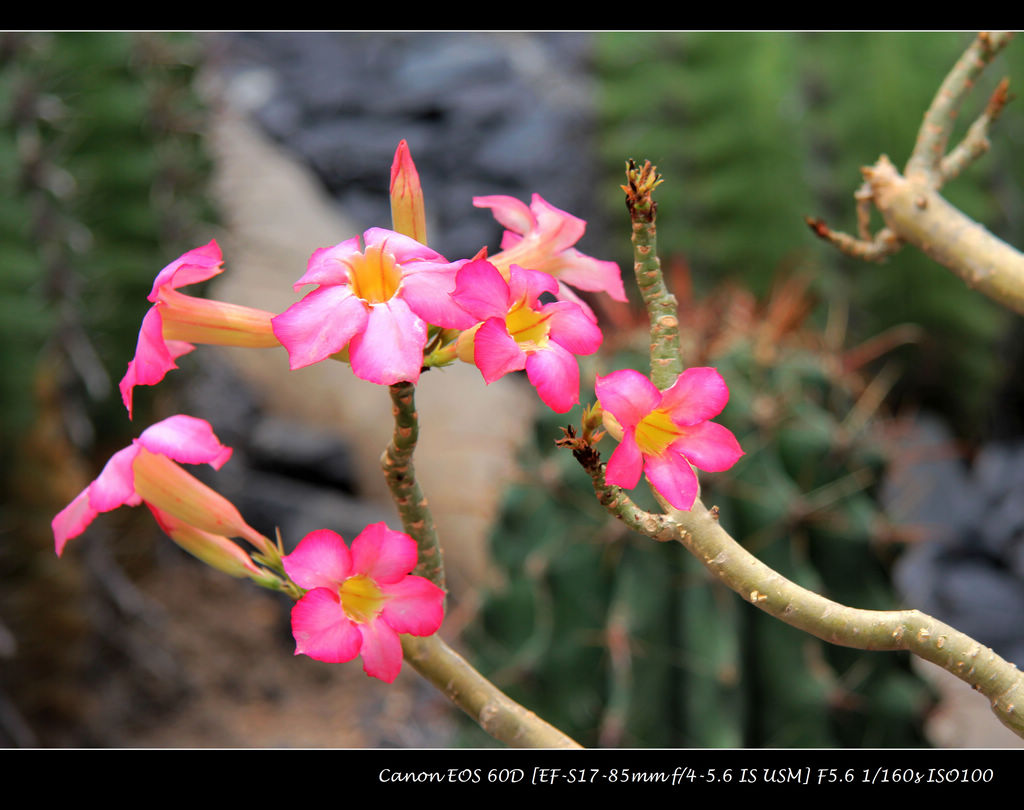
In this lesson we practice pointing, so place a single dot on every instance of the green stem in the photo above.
(496, 712)
(400, 474)
(924, 636)
(700, 532)
(666, 362)
(924, 163)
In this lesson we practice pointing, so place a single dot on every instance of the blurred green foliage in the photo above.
(753, 131)
(102, 175)
(103, 172)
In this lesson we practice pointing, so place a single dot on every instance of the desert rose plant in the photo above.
(392, 309)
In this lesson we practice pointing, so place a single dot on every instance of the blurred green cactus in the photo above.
(622, 641)
(103, 173)
(757, 130)
(103, 176)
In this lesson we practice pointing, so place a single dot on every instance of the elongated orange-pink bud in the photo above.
(408, 216)
(213, 549)
(163, 484)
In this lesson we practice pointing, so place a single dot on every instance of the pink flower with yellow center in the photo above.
(145, 471)
(176, 321)
(516, 331)
(542, 237)
(359, 600)
(661, 433)
(377, 302)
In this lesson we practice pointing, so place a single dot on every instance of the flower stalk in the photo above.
(914, 211)
(662, 308)
(495, 712)
(400, 474)
(700, 532)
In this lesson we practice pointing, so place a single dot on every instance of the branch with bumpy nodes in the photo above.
(417, 519)
(660, 303)
(702, 535)
(492, 709)
(924, 636)
(496, 712)
(910, 203)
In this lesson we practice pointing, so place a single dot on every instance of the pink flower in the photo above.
(360, 600)
(145, 472)
(661, 433)
(176, 321)
(542, 237)
(516, 331)
(378, 302)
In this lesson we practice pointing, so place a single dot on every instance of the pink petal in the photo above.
(154, 356)
(383, 554)
(382, 650)
(626, 463)
(186, 439)
(709, 446)
(199, 264)
(559, 230)
(697, 395)
(322, 630)
(555, 374)
(390, 349)
(529, 285)
(319, 325)
(115, 485)
(627, 395)
(565, 293)
(405, 249)
(329, 265)
(321, 560)
(482, 291)
(414, 605)
(511, 213)
(509, 239)
(428, 289)
(571, 328)
(72, 520)
(587, 273)
(495, 353)
(673, 478)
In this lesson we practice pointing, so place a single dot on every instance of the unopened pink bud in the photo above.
(407, 212)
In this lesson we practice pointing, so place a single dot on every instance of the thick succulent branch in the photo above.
(928, 638)
(700, 532)
(923, 218)
(661, 305)
(496, 712)
(938, 121)
(413, 508)
(911, 206)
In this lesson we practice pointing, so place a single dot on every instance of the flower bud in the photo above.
(407, 212)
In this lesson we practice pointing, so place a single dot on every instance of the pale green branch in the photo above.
(492, 709)
(910, 203)
(928, 638)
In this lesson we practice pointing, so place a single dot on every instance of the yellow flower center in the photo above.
(656, 432)
(528, 327)
(361, 599)
(374, 275)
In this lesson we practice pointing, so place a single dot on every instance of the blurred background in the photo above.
(879, 405)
